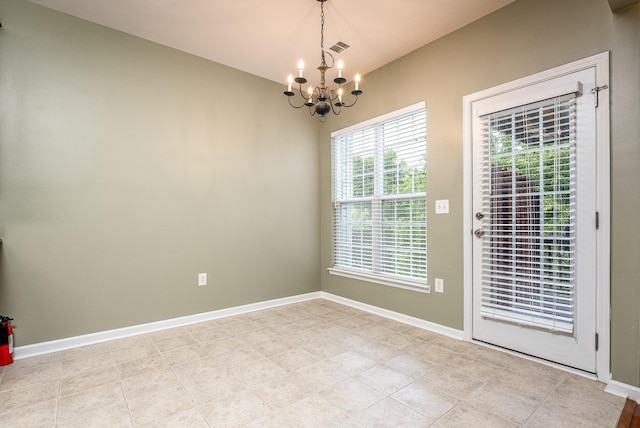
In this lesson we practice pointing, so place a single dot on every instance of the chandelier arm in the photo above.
(293, 105)
(352, 104)
(306, 99)
(333, 109)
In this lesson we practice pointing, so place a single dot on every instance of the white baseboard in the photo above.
(27, 351)
(623, 390)
(406, 319)
(33, 350)
(613, 387)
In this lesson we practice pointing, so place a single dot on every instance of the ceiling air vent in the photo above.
(339, 47)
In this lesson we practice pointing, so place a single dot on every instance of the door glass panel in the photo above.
(528, 264)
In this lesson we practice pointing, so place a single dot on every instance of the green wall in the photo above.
(625, 203)
(521, 39)
(126, 168)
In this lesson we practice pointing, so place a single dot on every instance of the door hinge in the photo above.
(597, 220)
(597, 341)
(596, 92)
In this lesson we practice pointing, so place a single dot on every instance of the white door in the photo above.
(534, 219)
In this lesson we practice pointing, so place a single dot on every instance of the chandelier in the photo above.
(322, 99)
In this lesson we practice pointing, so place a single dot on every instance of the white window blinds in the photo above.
(528, 268)
(379, 197)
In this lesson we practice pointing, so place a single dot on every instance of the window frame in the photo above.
(388, 279)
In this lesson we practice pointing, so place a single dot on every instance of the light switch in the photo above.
(442, 206)
(202, 279)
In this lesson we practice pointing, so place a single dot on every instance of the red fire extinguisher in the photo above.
(6, 341)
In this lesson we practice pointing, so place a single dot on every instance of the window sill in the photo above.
(383, 280)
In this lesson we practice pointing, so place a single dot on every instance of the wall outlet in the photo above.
(202, 279)
(442, 206)
(439, 283)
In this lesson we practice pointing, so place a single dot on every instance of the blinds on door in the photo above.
(528, 261)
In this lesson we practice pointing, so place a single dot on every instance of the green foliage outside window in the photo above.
(546, 168)
(404, 232)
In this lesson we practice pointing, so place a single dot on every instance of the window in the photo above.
(530, 166)
(379, 200)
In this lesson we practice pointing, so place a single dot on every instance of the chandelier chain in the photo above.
(322, 31)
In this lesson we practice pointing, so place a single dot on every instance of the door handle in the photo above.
(479, 215)
(479, 233)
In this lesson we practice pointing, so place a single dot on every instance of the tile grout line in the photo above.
(181, 385)
(544, 400)
(56, 416)
(122, 391)
(463, 401)
(126, 402)
(180, 382)
(484, 382)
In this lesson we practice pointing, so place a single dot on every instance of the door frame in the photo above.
(603, 198)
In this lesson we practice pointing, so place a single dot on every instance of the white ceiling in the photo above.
(268, 37)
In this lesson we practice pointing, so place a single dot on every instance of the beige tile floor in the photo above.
(310, 364)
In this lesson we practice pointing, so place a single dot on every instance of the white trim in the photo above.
(601, 64)
(623, 390)
(597, 61)
(408, 109)
(467, 212)
(381, 279)
(603, 204)
(527, 97)
(42, 348)
(613, 387)
(35, 349)
(547, 363)
(396, 316)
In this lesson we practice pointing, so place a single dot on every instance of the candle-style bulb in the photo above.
(340, 67)
(300, 68)
(357, 81)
